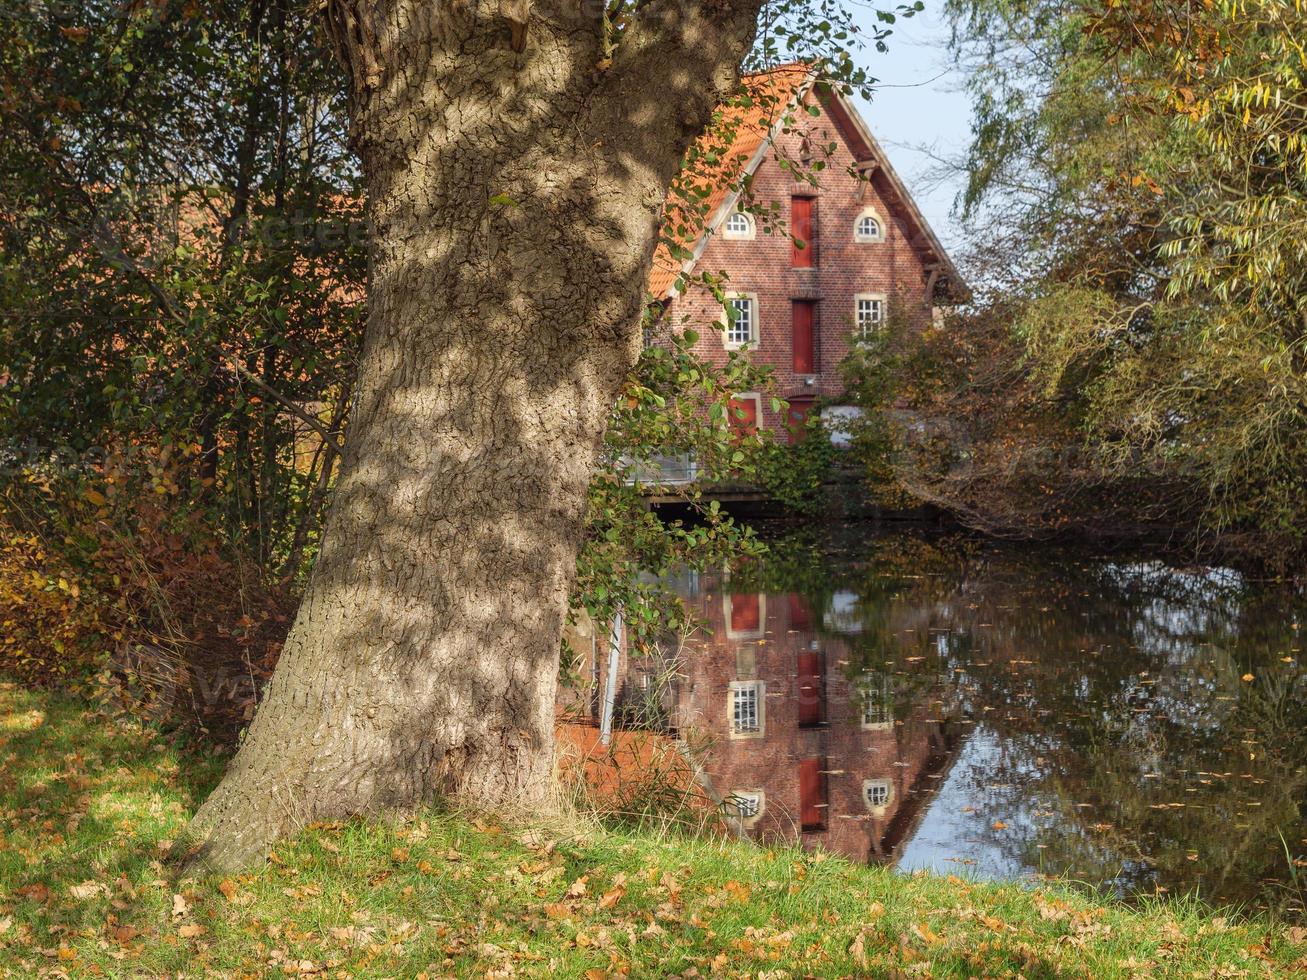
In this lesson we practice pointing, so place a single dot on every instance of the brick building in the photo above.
(864, 245)
(795, 742)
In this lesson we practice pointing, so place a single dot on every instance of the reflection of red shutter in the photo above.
(796, 418)
(801, 318)
(745, 614)
(810, 689)
(800, 616)
(812, 795)
(744, 415)
(801, 229)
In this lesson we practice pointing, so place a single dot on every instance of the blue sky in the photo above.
(919, 103)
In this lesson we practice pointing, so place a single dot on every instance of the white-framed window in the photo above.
(746, 709)
(739, 227)
(868, 227)
(741, 320)
(868, 315)
(747, 805)
(877, 793)
(877, 693)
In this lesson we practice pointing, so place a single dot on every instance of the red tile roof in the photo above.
(719, 159)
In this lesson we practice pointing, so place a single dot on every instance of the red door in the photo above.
(801, 231)
(796, 418)
(810, 689)
(744, 415)
(812, 795)
(746, 614)
(801, 319)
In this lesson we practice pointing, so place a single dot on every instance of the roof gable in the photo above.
(728, 154)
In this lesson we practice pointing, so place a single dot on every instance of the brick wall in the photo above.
(907, 751)
(842, 269)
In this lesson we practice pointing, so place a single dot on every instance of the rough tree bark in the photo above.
(514, 201)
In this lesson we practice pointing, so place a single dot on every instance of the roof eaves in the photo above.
(960, 287)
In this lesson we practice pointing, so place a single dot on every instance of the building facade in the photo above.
(795, 739)
(809, 268)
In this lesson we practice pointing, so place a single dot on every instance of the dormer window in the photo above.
(868, 227)
(739, 227)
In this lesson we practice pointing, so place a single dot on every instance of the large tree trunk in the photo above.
(514, 200)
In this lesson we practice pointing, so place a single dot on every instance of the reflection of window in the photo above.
(739, 226)
(877, 700)
(877, 793)
(747, 804)
(745, 615)
(842, 614)
(745, 707)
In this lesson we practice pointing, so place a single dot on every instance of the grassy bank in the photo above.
(90, 807)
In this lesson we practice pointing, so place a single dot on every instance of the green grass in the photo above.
(89, 806)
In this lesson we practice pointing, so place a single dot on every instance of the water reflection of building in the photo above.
(798, 741)
(1138, 726)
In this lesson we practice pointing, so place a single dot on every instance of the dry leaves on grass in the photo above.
(88, 890)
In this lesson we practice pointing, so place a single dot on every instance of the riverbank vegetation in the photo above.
(1134, 361)
(94, 804)
(183, 277)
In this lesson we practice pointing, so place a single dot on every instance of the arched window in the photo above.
(748, 804)
(868, 227)
(877, 793)
(739, 226)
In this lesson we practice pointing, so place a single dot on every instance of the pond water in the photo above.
(1000, 712)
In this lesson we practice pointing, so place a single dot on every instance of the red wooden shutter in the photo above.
(745, 613)
(801, 317)
(744, 415)
(810, 689)
(812, 795)
(800, 615)
(801, 229)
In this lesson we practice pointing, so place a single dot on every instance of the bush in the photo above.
(52, 629)
(102, 586)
